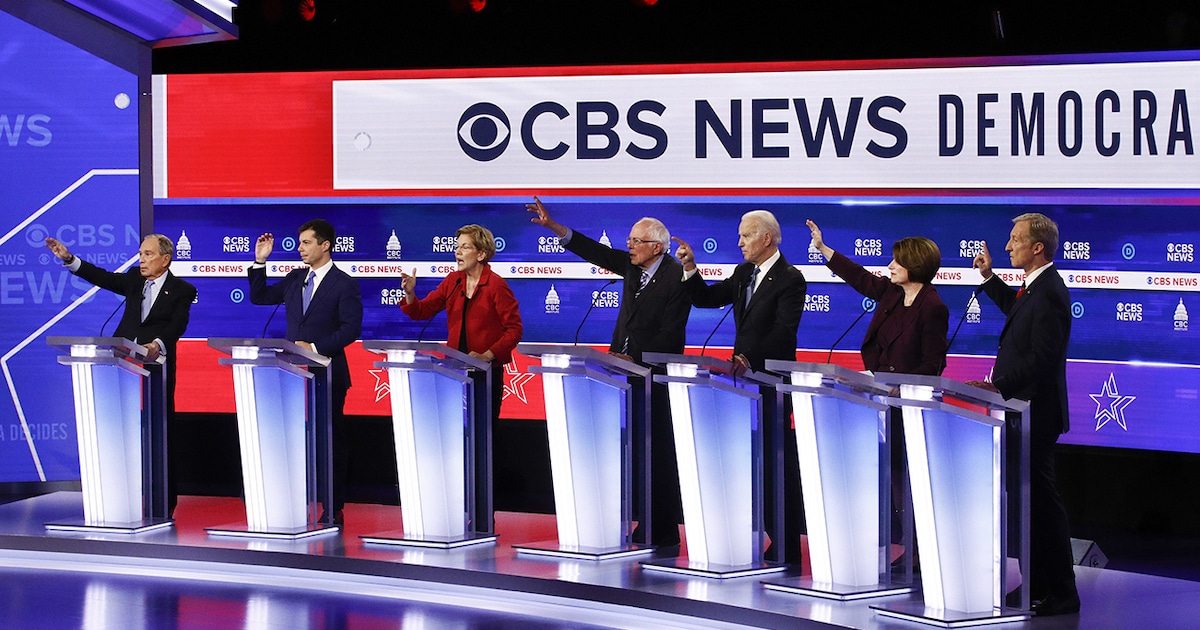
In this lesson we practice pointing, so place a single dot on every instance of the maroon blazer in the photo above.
(908, 340)
(493, 320)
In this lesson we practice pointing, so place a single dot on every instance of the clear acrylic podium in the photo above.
(592, 401)
(441, 423)
(718, 424)
(120, 422)
(955, 440)
(845, 472)
(282, 392)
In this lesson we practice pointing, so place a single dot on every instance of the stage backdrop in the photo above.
(872, 151)
(68, 169)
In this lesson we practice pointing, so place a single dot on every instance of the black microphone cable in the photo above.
(590, 307)
(949, 344)
(110, 316)
(281, 303)
(854, 323)
(457, 282)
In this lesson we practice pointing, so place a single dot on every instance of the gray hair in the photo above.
(165, 246)
(658, 232)
(766, 224)
(1042, 229)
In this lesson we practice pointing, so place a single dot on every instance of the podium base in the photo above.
(397, 538)
(684, 566)
(945, 618)
(110, 527)
(832, 590)
(280, 533)
(553, 549)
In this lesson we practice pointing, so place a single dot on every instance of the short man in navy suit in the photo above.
(1031, 364)
(767, 294)
(157, 306)
(324, 312)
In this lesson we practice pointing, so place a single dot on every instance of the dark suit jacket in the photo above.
(493, 319)
(1031, 362)
(333, 320)
(916, 347)
(168, 318)
(766, 329)
(655, 321)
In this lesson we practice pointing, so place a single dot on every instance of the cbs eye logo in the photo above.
(484, 132)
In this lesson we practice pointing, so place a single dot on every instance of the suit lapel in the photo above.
(329, 281)
(765, 287)
(1025, 298)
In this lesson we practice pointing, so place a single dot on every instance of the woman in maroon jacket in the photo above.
(482, 315)
(907, 334)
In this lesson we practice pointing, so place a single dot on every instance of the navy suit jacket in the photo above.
(654, 321)
(917, 348)
(766, 328)
(333, 320)
(1031, 362)
(168, 318)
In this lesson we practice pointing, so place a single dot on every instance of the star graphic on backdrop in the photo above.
(381, 385)
(516, 382)
(1110, 404)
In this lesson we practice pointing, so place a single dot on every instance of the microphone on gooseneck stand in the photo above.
(110, 316)
(714, 330)
(949, 344)
(285, 299)
(457, 281)
(866, 309)
(590, 307)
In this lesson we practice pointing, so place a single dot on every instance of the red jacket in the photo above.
(493, 320)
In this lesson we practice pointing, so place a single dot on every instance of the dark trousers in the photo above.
(780, 450)
(665, 507)
(1052, 566)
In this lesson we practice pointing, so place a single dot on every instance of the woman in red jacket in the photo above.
(483, 318)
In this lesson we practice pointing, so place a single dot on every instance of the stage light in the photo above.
(308, 10)
(468, 6)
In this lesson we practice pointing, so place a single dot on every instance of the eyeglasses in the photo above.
(637, 241)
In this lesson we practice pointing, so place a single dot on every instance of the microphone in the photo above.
(949, 344)
(589, 311)
(457, 281)
(285, 298)
(110, 316)
(714, 330)
(829, 358)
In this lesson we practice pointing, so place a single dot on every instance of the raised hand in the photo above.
(684, 253)
(983, 262)
(263, 247)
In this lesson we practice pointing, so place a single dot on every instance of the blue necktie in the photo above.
(643, 283)
(750, 287)
(147, 298)
(308, 289)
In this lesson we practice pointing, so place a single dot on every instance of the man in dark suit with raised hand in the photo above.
(1031, 364)
(157, 306)
(324, 312)
(767, 294)
(653, 318)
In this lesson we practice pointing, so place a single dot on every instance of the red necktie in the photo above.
(1021, 291)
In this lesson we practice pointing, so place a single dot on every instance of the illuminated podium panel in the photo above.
(592, 400)
(842, 430)
(284, 418)
(718, 422)
(441, 423)
(956, 445)
(120, 421)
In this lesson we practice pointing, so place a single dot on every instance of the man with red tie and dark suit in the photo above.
(157, 306)
(1031, 364)
(324, 312)
(767, 294)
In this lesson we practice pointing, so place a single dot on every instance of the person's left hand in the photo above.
(622, 356)
(983, 385)
(485, 356)
(741, 365)
(152, 351)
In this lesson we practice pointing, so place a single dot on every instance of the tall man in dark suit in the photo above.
(157, 306)
(324, 312)
(1031, 364)
(767, 294)
(653, 318)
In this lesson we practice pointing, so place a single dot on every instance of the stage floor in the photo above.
(182, 578)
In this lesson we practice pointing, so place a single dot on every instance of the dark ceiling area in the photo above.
(404, 34)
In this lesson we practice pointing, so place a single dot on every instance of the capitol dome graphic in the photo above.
(552, 300)
(1181, 317)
